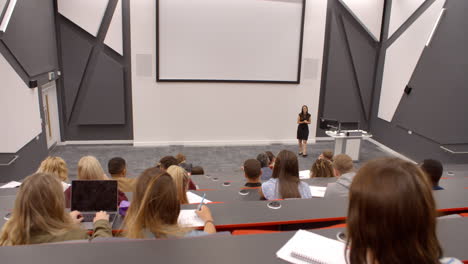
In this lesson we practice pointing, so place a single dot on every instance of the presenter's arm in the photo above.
(299, 120)
(307, 121)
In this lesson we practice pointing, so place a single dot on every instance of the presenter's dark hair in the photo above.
(392, 215)
(434, 169)
(286, 170)
(306, 115)
(116, 165)
(303, 108)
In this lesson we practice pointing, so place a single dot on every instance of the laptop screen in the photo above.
(94, 196)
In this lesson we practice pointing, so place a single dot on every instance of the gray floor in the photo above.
(224, 160)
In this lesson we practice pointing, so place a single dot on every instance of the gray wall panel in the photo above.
(76, 49)
(31, 36)
(436, 107)
(104, 102)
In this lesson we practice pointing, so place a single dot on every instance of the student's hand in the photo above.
(101, 215)
(204, 213)
(76, 217)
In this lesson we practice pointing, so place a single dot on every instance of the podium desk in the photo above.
(348, 142)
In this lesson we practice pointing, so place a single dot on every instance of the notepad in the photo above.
(188, 218)
(12, 184)
(306, 247)
(305, 174)
(194, 198)
(317, 191)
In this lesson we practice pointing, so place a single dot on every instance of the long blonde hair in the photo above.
(39, 207)
(55, 165)
(89, 168)
(158, 209)
(181, 180)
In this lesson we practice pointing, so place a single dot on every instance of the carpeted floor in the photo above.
(222, 160)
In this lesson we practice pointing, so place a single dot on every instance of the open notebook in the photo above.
(188, 218)
(317, 191)
(306, 247)
(305, 174)
(196, 199)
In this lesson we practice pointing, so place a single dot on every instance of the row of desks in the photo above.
(260, 248)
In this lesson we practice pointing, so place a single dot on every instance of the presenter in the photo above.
(303, 121)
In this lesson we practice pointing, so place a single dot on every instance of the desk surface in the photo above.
(260, 248)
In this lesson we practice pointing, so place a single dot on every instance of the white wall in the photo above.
(20, 118)
(220, 113)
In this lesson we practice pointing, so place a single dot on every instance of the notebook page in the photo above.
(12, 184)
(188, 218)
(317, 191)
(313, 247)
(194, 198)
(305, 174)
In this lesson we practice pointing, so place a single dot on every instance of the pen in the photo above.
(201, 203)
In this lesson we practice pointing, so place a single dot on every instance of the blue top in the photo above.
(436, 188)
(271, 191)
(266, 174)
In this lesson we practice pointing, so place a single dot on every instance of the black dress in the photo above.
(303, 129)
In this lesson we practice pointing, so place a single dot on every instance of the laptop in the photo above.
(89, 197)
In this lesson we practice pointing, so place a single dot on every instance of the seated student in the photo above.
(181, 180)
(383, 193)
(285, 182)
(271, 158)
(322, 168)
(433, 169)
(118, 170)
(182, 162)
(89, 168)
(168, 161)
(252, 172)
(155, 216)
(265, 162)
(327, 154)
(343, 168)
(39, 215)
(56, 166)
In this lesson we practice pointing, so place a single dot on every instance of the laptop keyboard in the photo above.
(89, 217)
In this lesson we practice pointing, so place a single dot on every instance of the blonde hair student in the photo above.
(39, 215)
(156, 214)
(89, 168)
(56, 166)
(181, 180)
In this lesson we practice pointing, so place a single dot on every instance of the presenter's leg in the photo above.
(300, 146)
(304, 148)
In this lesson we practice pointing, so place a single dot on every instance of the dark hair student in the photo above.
(392, 215)
(285, 182)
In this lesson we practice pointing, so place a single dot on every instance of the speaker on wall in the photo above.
(408, 89)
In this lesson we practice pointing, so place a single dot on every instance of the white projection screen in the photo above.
(229, 40)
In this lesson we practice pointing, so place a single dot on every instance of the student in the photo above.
(271, 158)
(39, 215)
(343, 168)
(155, 216)
(117, 168)
(168, 161)
(252, 172)
(322, 168)
(433, 169)
(392, 216)
(56, 166)
(285, 182)
(264, 163)
(181, 180)
(327, 154)
(89, 168)
(182, 162)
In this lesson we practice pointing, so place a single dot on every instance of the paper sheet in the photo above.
(65, 186)
(188, 218)
(312, 247)
(317, 191)
(12, 184)
(194, 198)
(305, 174)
